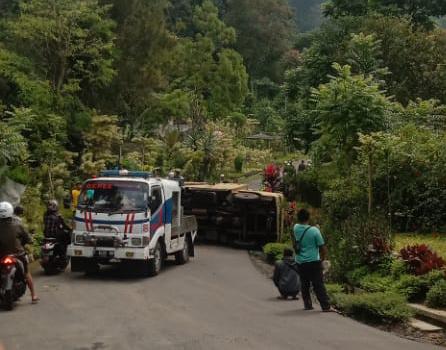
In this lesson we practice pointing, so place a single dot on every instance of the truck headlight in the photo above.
(80, 239)
(136, 242)
(145, 241)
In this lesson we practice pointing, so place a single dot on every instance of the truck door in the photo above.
(156, 209)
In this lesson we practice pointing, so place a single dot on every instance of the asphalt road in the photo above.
(217, 301)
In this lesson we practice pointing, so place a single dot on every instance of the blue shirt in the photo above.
(310, 244)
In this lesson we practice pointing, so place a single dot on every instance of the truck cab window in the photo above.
(175, 204)
(156, 199)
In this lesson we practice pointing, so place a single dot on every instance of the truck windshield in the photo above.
(114, 196)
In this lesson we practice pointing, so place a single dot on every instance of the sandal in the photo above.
(35, 300)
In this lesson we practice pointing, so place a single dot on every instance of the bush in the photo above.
(350, 244)
(398, 268)
(435, 276)
(274, 251)
(436, 297)
(333, 290)
(238, 163)
(354, 277)
(420, 259)
(375, 308)
(414, 288)
(376, 283)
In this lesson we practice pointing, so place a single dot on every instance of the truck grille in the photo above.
(105, 242)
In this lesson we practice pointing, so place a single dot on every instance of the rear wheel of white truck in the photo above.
(155, 264)
(182, 257)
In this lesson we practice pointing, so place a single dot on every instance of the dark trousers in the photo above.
(311, 275)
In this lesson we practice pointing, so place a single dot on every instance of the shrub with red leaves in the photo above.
(378, 251)
(272, 178)
(421, 259)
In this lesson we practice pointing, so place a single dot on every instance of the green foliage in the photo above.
(420, 12)
(274, 251)
(376, 308)
(220, 80)
(434, 277)
(308, 13)
(349, 243)
(414, 288)
(344, 107)
(410, 164)
(265, 30)
(355, 276)
(334, 289)
(238, 163)
(101, 139)
(398, 268)
(69, 41)
(436, 297)
(376, 283)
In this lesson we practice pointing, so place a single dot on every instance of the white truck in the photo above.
(130, 218)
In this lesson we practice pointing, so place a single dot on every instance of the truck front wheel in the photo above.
(155, 264)
(182, 257)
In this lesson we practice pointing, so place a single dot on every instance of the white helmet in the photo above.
(6, 210)
(53, 205)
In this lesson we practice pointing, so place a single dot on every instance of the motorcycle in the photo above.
(53, 256)
(12, 281)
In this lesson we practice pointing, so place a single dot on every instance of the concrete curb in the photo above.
(437, 316)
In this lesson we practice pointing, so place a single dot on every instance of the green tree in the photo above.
(144, 44)
(343, 108)
(265, 32)
(102, 141)
(308, 13)
(218, 76)
(70, 43)
(420, 12)
(364, 55)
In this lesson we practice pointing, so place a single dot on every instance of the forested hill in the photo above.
(182, 83)
(308, 13)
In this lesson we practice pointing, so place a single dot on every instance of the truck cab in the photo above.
(130, 218)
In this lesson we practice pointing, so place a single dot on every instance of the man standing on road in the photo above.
(309, 257)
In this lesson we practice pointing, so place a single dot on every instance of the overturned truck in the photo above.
(230, 213)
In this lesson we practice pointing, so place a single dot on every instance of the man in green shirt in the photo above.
(312, 251)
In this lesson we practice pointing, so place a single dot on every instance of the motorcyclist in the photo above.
(55, 226)
(13, 238)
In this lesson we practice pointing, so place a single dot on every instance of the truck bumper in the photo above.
(108, 254)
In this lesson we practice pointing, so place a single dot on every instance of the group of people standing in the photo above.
(303, 268)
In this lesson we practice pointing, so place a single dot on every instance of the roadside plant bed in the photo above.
(375, 308)
(274, 251)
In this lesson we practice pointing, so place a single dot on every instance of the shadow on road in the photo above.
(118, 273)
(299, 312)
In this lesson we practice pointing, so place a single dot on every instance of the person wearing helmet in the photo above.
(55, 226)
(13, 238)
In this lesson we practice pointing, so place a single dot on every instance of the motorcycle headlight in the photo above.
(80, 239)
(136, 242)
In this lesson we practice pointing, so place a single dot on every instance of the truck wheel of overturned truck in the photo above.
(182, 257)
(154, 265)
